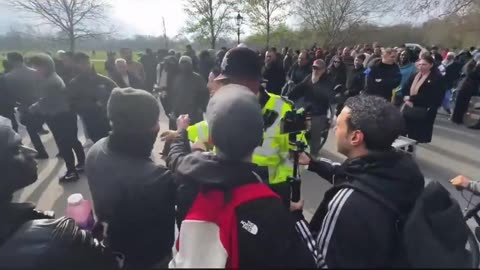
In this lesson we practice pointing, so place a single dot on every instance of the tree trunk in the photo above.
(268, 35)
(213, 38)
(268, 24)
(72, 41)
(213, 42)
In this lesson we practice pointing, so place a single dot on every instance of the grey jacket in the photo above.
(51, 91)
(474, 187)
(21, 83)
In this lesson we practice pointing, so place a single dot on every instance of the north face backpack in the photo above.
(433, 235)
(213, 208)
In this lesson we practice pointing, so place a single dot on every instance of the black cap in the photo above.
(240, 63)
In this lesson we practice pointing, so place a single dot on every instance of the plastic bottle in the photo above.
(80, 210)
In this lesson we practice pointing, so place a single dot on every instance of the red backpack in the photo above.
(211, 207)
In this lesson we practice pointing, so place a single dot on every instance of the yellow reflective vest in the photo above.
(275, 150)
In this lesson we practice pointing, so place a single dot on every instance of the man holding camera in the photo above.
(241, 66)
(353, 230)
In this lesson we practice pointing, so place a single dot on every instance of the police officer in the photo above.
(242, 66)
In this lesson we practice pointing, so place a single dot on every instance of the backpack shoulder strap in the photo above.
(250, 192)
(366, 190)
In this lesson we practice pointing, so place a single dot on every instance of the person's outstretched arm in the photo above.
(465, 183)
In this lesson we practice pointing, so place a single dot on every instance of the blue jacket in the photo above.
(406, 72)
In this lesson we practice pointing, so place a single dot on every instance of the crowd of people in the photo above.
(227, 182)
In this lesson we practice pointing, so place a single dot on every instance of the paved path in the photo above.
(454, 149)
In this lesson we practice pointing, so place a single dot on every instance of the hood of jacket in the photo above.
(407, 67)
(207, 170)
(393, 174)
(48, 62)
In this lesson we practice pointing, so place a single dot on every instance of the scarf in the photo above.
(417, 83)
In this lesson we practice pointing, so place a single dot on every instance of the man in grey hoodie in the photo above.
(54, 107)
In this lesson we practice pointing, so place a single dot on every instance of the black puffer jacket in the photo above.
(382, 79)
(361, 233)
(33, 240)
(297, 73)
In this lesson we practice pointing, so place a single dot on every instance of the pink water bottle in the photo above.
(80, 210)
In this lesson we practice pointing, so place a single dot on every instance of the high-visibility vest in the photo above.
(275, 150)
(198, 132)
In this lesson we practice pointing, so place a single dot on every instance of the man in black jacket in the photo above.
(273, 73)
(384, 76)
(353, 230)
(88, 93)
(266, 230)
(357, 82)
(316, 90)
(301, 69)
(189, 94)
(31, 239)
(131, 194)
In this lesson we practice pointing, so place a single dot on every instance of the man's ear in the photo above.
(357, 138)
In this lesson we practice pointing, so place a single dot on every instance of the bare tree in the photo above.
(439, 7)
(76, 19)
(333, 18)
(264, 15)
(210, 19)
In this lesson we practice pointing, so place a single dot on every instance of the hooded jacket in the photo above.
(51, 90)
(275, 244)
(353, 230)
(406, 71)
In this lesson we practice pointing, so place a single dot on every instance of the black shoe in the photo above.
(69, 177)
(80, 168)
(41, 156)
(43, 132)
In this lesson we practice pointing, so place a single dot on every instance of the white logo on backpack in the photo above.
(249, 227)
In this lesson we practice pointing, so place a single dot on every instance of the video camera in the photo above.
(295, 121)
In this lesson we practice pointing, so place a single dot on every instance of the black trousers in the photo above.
(10, 114)
(96, 124)
(64, 130)
(319, 125)
(33, 123)
(461, 105)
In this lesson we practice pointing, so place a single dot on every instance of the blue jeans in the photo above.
(446, 99)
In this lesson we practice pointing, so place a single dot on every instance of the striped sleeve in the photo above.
(302, 228)
(328, 225)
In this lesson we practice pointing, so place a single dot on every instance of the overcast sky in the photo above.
(142, 17)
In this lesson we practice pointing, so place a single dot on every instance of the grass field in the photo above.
(98, 60)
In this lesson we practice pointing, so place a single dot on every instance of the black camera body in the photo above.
(294, 122)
